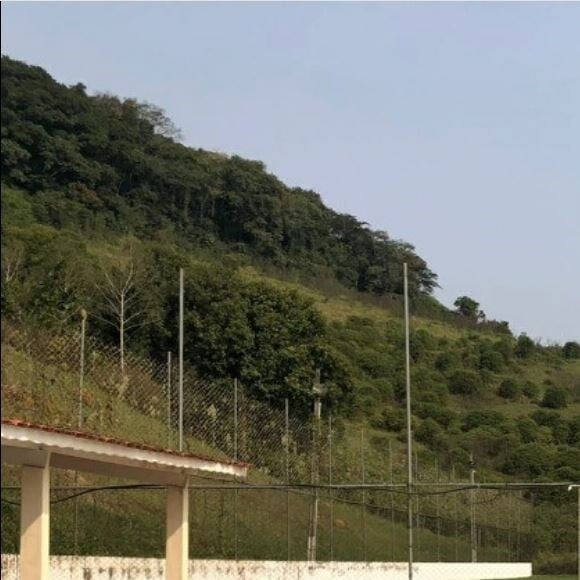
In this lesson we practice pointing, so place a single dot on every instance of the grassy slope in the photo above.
(341, 305)
(266, 512)
(30, 393)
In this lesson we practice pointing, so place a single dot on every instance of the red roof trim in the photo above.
(115, 441)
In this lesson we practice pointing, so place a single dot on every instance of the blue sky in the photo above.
(455, 126)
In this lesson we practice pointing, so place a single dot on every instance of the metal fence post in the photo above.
(235, 459)
(169, 399)
(391, 481)
(287, 450)
(364, 495)
(331, 492)
(80, 417)
(456, 516)
(473, 526)
(438, 512)
(313, 528)
(82, 365)
(570, 488)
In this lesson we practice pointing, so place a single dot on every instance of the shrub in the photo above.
(491, 360)
(445, 361)
(465, 382)
(428, 431)
(393, 419)
(548, 563)
(530, 460)
(505, 348)
(509, 389)
(483, 418)
(531, 390)
(555, 398)
(571, 350)
(442, 415)
(525, 346)
(529, 430)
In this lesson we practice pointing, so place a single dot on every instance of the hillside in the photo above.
(101, 204)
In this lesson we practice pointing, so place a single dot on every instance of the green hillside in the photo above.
(100, 204)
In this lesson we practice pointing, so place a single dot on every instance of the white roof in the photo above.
(38, 445)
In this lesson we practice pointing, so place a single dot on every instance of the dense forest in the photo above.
(101, 204)
(100, 163)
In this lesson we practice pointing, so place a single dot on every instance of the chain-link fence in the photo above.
(319, 489)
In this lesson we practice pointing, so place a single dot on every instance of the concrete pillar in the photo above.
(177, 542)
(34, 523)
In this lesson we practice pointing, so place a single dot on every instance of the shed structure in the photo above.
(38, 448)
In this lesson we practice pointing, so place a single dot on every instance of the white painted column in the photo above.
(35, 523)
(177, 542)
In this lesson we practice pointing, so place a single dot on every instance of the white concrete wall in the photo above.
(89, 568)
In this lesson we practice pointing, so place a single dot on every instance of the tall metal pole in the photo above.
(287, 446)
(570, 488)
(313, 529)
(438, 512)
(364, 496)
(181, 292)
(472, 511)
(80, 416)
(235, 419)
(391, 480)
(169, 399)
(82, 366)
(409, 426)
(456, 516)
(330, 489)
(417, 478)
(235, 459)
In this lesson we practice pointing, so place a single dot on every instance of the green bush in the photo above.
(431, 434)
(555, 398)
(509, 389)
(530, 460)
(442, 415)
(528, 429)
(491, 360)
(531, 390)
(392, 419)
(464, 382)
(525, 346)
(571, 350)
(488, 418)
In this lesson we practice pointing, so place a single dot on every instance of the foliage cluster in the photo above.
(100, 163)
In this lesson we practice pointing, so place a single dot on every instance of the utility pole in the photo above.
(180, 402)
(318, 391)
(472, 510)
(570, 488)
(409, 424)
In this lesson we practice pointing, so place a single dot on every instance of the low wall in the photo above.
(101, 568)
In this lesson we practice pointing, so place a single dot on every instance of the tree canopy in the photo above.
(102, 163)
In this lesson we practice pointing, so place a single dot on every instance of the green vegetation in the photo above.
(550, 578)
(100, 208)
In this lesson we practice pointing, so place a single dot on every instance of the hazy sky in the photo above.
(453, 126)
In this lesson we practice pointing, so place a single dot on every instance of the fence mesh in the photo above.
(312, 482)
